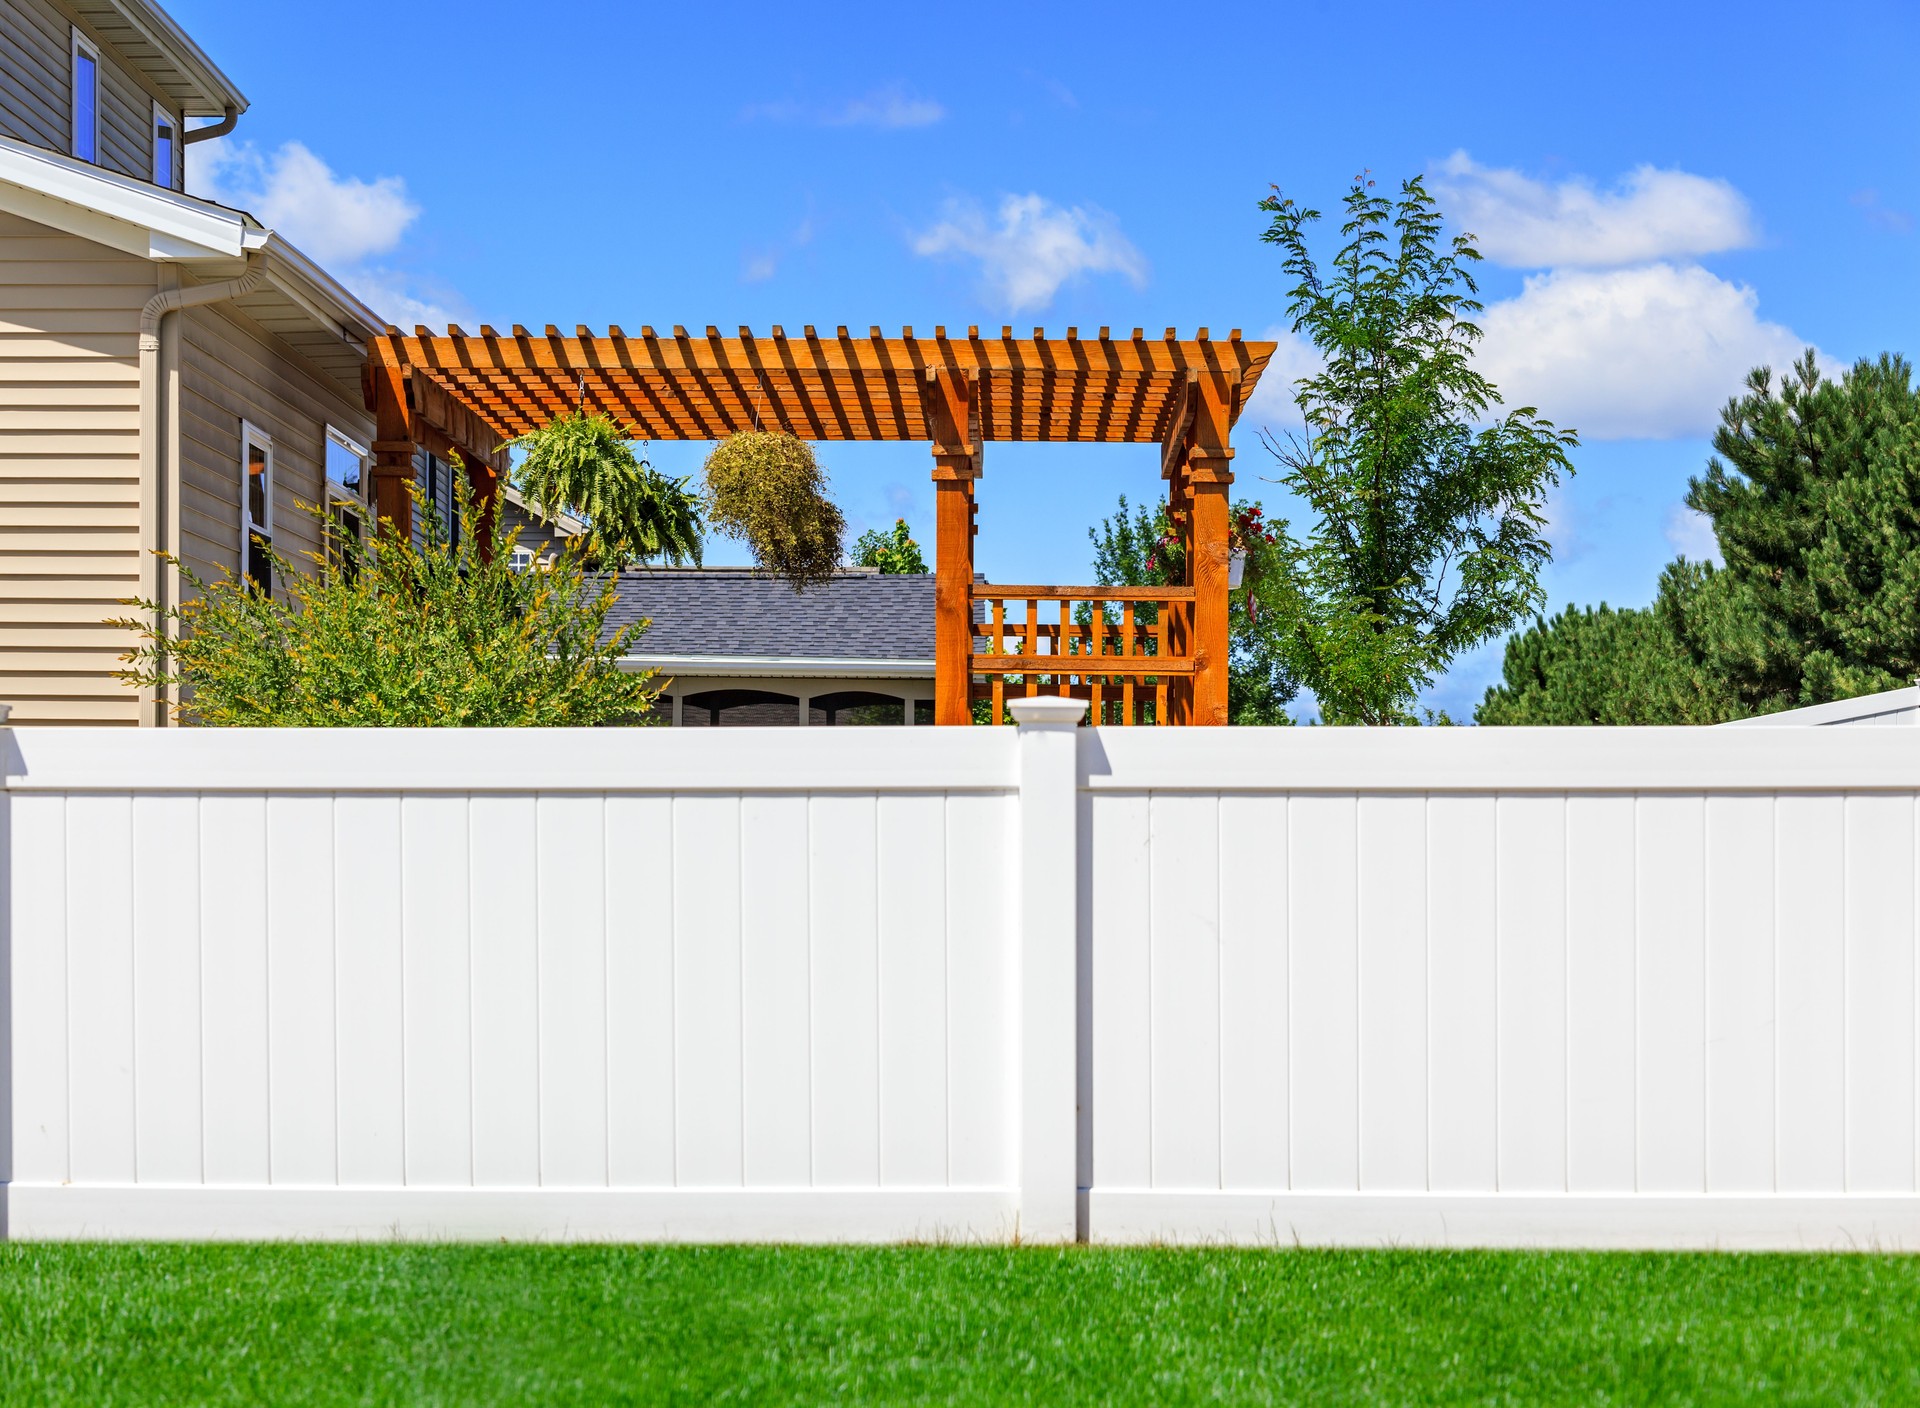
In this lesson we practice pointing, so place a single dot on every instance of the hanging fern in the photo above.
(584, 464)
(767, 489)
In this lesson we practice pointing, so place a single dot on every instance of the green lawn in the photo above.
(103, 1325)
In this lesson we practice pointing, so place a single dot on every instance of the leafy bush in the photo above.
(395, 635)
(765, 488)
(584, 464)
(894, 553)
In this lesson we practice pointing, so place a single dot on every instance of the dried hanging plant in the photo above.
(766, 488)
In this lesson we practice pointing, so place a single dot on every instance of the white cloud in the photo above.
(1649, 214)
(339, 220)
(1273, 405)
(890, 108)
(1033, 247)
(1651, 352)
(336, 219)
(1690, 533)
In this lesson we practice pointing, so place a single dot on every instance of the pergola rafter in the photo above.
(954, 391)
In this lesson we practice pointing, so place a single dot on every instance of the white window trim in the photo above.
(82, 45)
(251, 435)
(353, 447)
(160, 115)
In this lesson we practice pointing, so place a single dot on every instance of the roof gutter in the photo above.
(780, 666)
(228, 121)
(159, 445)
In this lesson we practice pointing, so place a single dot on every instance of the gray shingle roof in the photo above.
(859, 615)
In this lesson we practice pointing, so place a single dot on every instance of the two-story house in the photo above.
(173, 376)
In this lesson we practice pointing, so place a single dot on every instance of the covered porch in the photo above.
(1136, 654)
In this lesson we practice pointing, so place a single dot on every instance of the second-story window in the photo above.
(163, 145)
(256, 505)
(86, 98)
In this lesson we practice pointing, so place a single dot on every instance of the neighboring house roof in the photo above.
(300, 302)
(151, 42)
(740, 621)
(562, 524)
(1894, 707)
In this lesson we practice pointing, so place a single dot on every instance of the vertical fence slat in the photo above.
(1532, 1000)
(100, 993)
(1810, 1060)
(1740, 996)
(1253, 992)
(913, 990)
(1122, 955)
(640, 1019)
(707, 885)
(843, 895)
(1393, 992)
(370, 1012)
(501, 868)
(1879, 999)
(775, 999)
(166, 997)
(233, 988)
(1671, 922)
(436, 973)
(300, 1007)
(570, 854)
(1462, 1114)
(1601, 1116)
(1184, 842)
(37, 935)
(1323, 992)
(979, 921)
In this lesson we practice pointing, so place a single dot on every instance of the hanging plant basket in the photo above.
(765, 488)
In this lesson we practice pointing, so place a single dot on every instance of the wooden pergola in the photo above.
(956, 392)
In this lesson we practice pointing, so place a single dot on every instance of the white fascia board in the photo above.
(780, 666)
(114, 210)
(324, 297)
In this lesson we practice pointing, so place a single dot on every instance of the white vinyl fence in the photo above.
(1576, 987)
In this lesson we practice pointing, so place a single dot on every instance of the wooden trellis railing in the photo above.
(1122, 649)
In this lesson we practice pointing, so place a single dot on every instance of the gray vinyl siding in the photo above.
(36, 91)
(230, 371)
(69, 471)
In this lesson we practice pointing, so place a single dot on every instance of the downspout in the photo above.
(159, 451)
(218, 129)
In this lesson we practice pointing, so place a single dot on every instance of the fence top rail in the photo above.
(480, 761)
(1484, 760)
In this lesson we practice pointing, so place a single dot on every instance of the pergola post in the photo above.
(393, 446)
(1199, 477)
(949, 408)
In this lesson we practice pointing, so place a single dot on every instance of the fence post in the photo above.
(1049, 925)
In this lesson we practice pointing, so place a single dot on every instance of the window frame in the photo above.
(82, 45)
(250, 436)
(342, 498)
(163, 175)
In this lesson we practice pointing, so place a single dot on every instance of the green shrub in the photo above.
(396, 635)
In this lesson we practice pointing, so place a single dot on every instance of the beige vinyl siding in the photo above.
(232, 371)
(36, 90)
(69, 471)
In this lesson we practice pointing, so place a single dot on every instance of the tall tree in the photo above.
(893, 551)
(1814, 494)
(1427, 499)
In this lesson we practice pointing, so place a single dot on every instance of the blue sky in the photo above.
(1667, 193)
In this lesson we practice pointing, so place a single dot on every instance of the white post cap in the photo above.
(1047, 710)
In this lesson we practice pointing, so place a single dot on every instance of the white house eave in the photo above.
(781, 666)
(323, 297)
(118, 211)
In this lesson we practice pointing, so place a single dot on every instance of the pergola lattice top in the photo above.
(839, 387)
